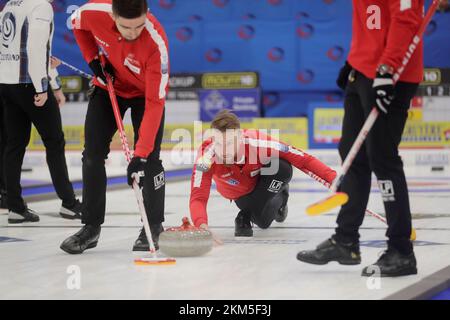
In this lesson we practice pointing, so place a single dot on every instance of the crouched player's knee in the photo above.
(263, 223)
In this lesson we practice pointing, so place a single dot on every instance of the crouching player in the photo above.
(250, 168)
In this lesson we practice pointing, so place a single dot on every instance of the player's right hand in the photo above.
(135, 171)
(40, 99)
(100, 71)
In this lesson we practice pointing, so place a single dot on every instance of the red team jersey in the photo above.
(382, 33)
(237, 180)
(141, 67)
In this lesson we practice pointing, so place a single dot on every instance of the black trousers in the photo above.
(380, 155)
(2, 147)
(100, 127)
(269, 195)
(20, 113)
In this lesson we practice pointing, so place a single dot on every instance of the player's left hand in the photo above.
(60, 97)
(136, 171)
(383, 88)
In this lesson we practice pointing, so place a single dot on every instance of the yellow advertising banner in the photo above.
(74, 136)
(327, 125)
(419, 134)
(293, 131)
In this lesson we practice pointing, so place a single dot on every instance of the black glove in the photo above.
(100, 71)
(136, 170)
(383, 88)
(344, 73)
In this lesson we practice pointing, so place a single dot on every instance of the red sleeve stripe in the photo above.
(164, 56)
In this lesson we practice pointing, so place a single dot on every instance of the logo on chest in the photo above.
(132, 64)
(232, 182)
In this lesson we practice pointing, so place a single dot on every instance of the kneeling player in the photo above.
(250, 168)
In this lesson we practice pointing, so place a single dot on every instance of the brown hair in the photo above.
(225, 120)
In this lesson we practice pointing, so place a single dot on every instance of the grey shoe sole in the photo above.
(321, 263)
(404, 272)
(17, 221)
(246, 234)
(90, 246)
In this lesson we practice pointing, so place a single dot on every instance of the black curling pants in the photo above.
(270, 194)
(100, 127)
(380, 155)
(20, 114)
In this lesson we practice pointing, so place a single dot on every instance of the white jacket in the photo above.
(25, 44)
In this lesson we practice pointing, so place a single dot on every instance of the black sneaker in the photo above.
(331, 250)
(73, 212)
(242, 225)
(141, 243)
(84, 239)
(392, 264)
(27, 215)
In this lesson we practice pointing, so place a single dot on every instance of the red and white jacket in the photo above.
(239, 179)
(141, 67)
(382, 33)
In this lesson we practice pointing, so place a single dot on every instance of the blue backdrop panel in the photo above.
(269, 47)
(322, 51)
(323, 10)
(191, 10)
(263, 9)
(437, 42)
(294, 103)
(186, 39)
(223, 49)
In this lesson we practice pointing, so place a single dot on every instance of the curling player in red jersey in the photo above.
(250, 168)
(382, 33)
(136, 49)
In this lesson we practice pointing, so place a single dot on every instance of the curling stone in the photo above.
(185, 241)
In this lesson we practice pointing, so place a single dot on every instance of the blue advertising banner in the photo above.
(244, 103)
